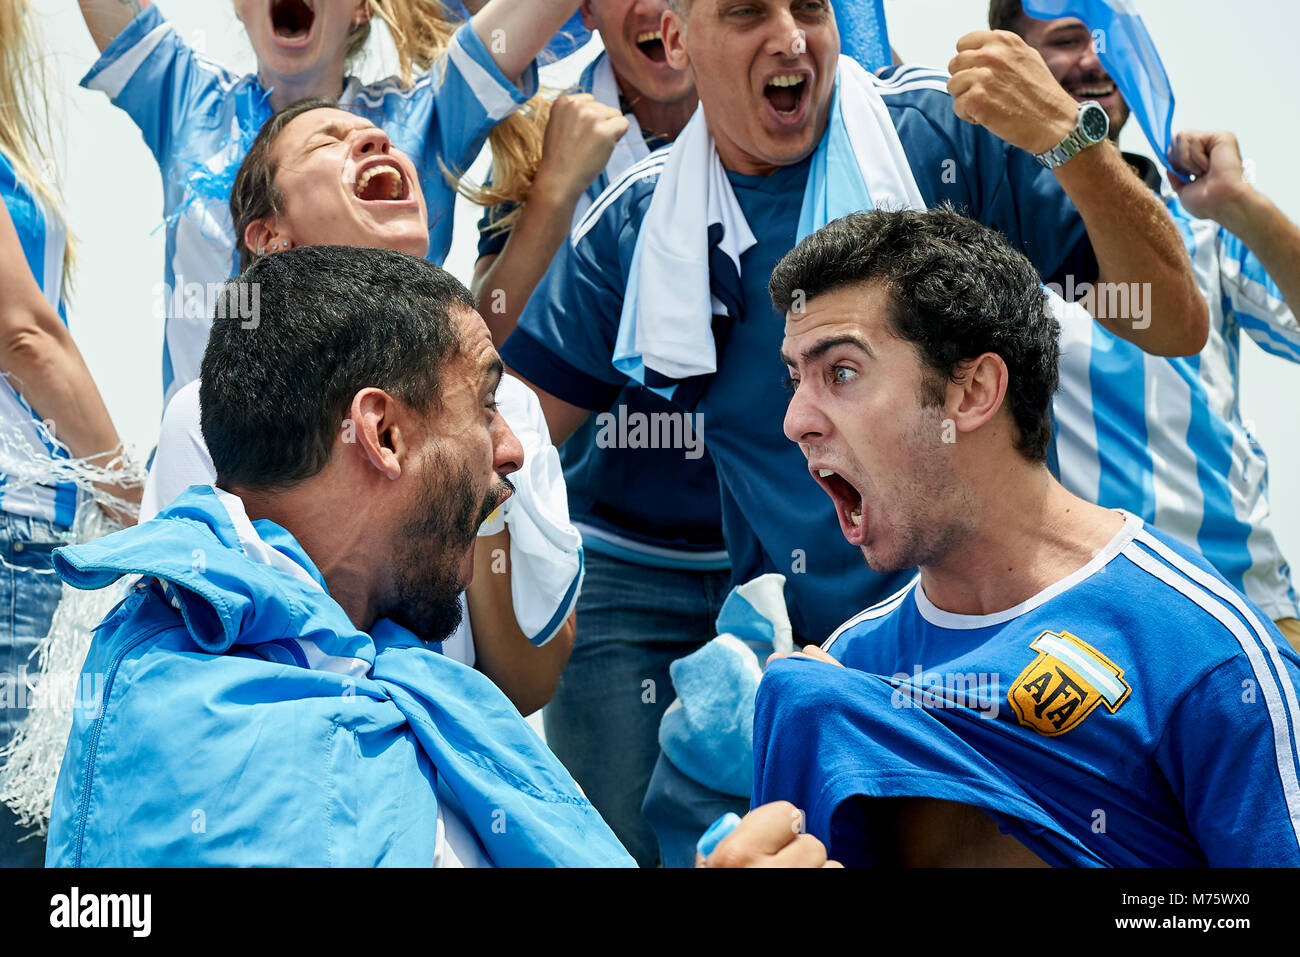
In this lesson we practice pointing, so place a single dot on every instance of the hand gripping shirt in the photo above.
(1138, 712)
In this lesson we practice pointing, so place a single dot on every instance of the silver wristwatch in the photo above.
(1090, 128)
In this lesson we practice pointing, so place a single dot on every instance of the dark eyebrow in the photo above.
(819, 349)
(1066, 28)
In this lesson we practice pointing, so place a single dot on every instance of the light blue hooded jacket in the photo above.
(245, 721)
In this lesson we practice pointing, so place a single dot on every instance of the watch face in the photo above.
(1094, 122)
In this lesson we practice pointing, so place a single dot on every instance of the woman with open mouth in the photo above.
(318, 175)
(200, 119)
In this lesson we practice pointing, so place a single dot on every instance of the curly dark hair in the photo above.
(298, 334)
(958, 290)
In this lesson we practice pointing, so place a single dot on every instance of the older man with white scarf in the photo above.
(664, 282)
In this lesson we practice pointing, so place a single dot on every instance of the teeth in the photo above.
(826, 473)
(395, 190)
(791, 79)
(649, 35)
(856, 517)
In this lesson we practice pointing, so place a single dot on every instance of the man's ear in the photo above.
(588, 18)
(978, 392)
(372, 426)
(674, 30)
(265, 235)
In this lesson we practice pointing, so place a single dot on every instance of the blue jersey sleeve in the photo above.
(472, 97)
(1256, 299)
(491, 241)
(564, 343)
(162, 84)
(1229, 753)
(985, 178)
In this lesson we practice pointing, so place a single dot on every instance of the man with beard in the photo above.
(269, 693)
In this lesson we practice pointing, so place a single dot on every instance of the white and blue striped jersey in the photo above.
(43, 238)
(1165, 437)
(199, 120)
(1138, 712)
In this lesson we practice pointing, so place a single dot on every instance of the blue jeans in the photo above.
(29, 593)
(603, 723)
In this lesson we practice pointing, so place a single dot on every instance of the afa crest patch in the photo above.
(1063, 685)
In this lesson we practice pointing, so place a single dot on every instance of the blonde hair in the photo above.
(422, 31)
(516, 154)
(25, 137)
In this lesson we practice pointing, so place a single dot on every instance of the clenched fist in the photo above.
(1001, 83)
(769, 836)
(580, 136)
(1220, 191)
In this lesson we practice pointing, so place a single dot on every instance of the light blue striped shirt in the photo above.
(1165, 437)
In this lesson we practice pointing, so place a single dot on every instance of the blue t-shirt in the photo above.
(1139, 712)
(199, 120)
(775, 517)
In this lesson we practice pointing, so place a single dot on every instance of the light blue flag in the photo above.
(863, 35)
(1127, 52)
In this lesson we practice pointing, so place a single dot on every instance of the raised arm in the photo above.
(515, 31)
(38, 354)
(562, 418)
(526, 673)
(107, 18)
(1001, 83)
(1221, 192)
(580, 136)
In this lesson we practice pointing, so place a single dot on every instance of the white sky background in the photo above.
(1231, 65)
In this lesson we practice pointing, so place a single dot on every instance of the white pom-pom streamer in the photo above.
(29, 764)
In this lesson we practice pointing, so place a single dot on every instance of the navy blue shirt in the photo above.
(616, 493)
(776, 518)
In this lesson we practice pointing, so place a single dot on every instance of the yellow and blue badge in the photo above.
(1063, 685)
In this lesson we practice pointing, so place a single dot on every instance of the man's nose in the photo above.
(781, 33)
(1090, 62)
(371, 141)
(804, 422)
(507, 451)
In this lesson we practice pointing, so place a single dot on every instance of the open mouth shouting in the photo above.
(651, 45)
(381, 180)
(849, 506)
(292, 21)
(787, 94)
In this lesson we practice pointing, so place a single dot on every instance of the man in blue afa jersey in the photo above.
(1060, 682)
